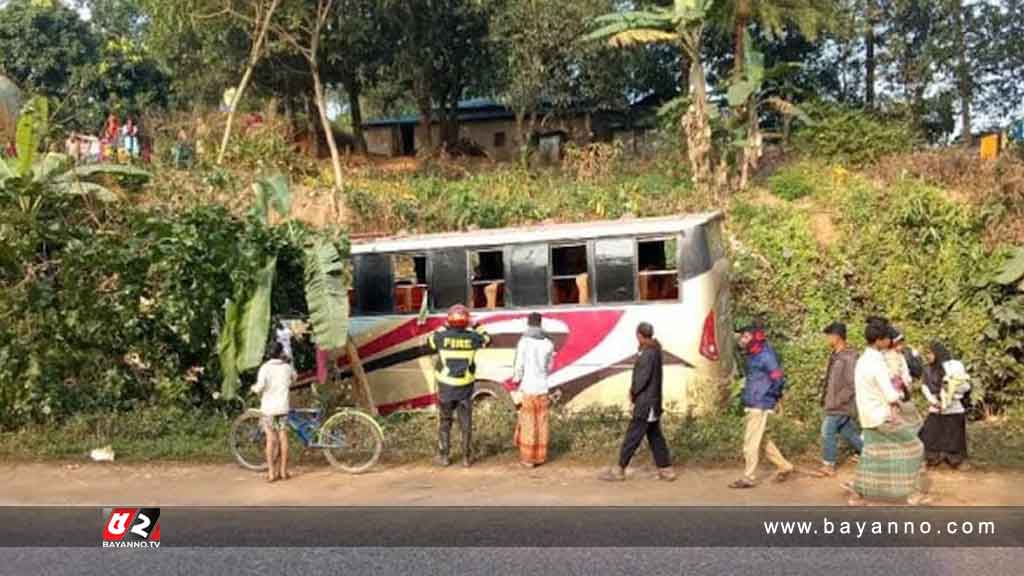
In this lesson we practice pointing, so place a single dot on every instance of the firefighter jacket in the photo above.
(456, 349)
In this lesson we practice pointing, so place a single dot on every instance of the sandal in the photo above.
(742, 484)
(783, 476)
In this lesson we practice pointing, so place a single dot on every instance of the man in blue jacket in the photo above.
(762, 391)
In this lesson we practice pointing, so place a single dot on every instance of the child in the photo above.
(273, 384)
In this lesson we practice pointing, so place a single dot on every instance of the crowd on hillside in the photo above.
(117, 142)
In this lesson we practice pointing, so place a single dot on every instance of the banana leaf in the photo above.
(1013, 269)
(326, 296)
(226, 352)
(254, 322)
(31, 127)
(272, 192)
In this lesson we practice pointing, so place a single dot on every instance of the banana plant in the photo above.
(746, 96)
(682, 25)
(246, 325)
(29, 178)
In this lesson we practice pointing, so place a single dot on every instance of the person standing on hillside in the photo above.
(535, 355)
(765, 383)
(837, 399)
(455, 373)
(645, 396)
(899, 371)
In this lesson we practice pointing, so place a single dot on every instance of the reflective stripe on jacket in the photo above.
(456, 348)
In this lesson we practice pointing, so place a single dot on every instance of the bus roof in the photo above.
(538, 233)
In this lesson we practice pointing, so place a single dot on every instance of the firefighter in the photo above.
(455, 372)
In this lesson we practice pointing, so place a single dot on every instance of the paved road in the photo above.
(492, 562)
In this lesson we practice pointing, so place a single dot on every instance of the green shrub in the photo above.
(853, 136)
(790, 184)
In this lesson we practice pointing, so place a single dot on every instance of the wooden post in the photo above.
(361, 387)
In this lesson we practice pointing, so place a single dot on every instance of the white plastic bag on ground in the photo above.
(104, 454)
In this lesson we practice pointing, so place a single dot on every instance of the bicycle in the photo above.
(350, 439)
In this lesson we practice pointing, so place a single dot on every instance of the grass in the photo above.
(593, 436)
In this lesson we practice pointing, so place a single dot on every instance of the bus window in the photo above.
(658, 273)
(410, 273)
(570, 282)
(614, 267)
(372, 274)
(447, 278)
(528, 275)
(488, 281)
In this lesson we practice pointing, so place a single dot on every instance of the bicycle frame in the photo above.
(306, 424)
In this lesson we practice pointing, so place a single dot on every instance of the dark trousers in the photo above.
(449, 409)
(638, 428)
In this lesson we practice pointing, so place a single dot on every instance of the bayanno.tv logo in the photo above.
(131, 528)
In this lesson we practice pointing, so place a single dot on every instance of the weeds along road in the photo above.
(492, 482)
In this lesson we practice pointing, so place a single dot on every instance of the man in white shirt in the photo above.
(273, 383)
(890, 463)
(876, 397)
(535, 356)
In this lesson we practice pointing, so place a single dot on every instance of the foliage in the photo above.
(242, 344)
(326, 294)
(850, 136)
(790, 183)
(905, 252)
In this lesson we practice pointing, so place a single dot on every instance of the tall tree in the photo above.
(684, 26)
(257, 17)
(441, 55)
(302, 25)
(538, 49)
(45, 46)
(771, 17)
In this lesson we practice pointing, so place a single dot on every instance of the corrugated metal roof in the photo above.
(538, 233)
(473, 110)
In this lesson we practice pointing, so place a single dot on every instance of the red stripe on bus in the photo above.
(411, 404)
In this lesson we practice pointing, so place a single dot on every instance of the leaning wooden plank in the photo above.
(361, 389)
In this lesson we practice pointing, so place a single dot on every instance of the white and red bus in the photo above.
(594, 283)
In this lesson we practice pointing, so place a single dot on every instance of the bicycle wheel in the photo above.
(351, 441)
(248, 441)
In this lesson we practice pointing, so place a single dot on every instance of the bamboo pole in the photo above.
(361, 387)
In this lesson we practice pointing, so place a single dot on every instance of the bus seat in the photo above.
(491, 294)
(583, 285)
(644, 285)
(418, 293)
(403, 298)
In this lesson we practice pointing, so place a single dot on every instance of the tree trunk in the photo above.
(422, 90)
(963, 73)
(697, 130)
(740, 28)
(869, 57)
(312, 125)
(356, 111)
(254, 57)
(321, 104)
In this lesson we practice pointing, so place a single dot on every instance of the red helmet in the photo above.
(458, 316)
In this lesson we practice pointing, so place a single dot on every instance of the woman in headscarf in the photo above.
(946, 385)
